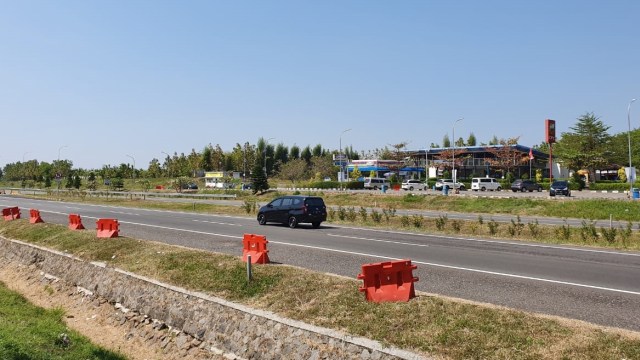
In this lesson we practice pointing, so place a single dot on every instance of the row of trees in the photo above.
(587, 146)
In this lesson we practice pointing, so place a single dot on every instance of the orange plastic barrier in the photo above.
(388, 281)
(159, 187)
(107, 228)
(75, 222)
(11, 213)
(256, 246)
(34, 216)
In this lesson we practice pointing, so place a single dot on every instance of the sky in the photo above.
(111, 82)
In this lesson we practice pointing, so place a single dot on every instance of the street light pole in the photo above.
(134, 166)
(340, 158)
(453, 134)
(58, 164)
(631, 176)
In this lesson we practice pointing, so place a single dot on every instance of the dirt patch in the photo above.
(92, 318)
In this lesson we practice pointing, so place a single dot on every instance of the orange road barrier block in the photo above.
(388, 281)
(256, 246)
(34, 216)
(107, 228)
(11, 213)
(75, 222)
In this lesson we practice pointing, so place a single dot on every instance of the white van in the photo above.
(376, 183)
(484, 184)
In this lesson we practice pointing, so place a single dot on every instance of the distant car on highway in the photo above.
(440, 183)
(413, 184)
(559, 187)
(525, 185)
(293, 210)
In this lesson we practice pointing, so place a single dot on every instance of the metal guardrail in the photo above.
(142, 194)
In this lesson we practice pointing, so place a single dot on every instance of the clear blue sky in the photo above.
(109, 79)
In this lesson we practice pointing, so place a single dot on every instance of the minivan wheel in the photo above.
(499, 188)
(315, 225)
(483, 188)
(293, 222)
(261, 219)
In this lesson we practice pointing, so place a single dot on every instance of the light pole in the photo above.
(631, 175)
(58, 174)
(266, 144)
(134, 166)
(453, 134)
(341, 159)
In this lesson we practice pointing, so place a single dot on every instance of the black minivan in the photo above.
(293, 210)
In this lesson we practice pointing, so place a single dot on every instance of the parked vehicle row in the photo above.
(525, 185)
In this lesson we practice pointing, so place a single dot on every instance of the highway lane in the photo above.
(598, 286)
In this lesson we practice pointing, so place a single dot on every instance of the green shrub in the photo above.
(441, 222)
(363, 214)
(588, 230)
(418, 221)
(404, 220)
(342, 213)
(456, 225)
(534, 229)
(376, 216)
(351, 214)
(564, 231)
(493, 227)
(609, 234)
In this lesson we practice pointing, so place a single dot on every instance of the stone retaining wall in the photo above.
(190, 321)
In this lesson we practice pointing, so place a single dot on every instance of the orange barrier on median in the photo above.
(256, 246)
(34, 216)
(388, 281)
(11, 213)
(107, 228)
(75, 222)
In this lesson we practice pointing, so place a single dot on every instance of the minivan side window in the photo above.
(276, 202)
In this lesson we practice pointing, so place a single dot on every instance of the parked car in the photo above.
(559, 187)
(440, 183)
(525, 185)
(413, 184)
(376, 183)
(190, 186)
(485, 183)
(293, 210)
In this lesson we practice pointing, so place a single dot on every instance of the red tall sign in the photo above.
(550, 131)
(550, 138)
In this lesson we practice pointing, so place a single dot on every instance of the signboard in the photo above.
(550, 131)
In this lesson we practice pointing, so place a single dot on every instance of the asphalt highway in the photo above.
(598, 286)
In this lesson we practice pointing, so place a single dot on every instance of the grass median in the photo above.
(427, 324)
(30, 332)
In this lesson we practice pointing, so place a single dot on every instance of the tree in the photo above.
(471, 141)
(294, 170)
(323, 166)
(306, 154)
(77, 182)
(260, 184)
(356, 174)
(445, 141)
(587, 147)
(494, 140)
(154, 170)
(505, 156)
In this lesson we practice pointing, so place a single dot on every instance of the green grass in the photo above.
(29, 332)
(426, 324)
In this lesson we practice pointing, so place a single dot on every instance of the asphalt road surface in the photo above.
(598, 286)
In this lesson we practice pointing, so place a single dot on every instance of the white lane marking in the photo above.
(123, 213)
(216, 222)
(73, 208)
(464, 269)
(378, 240)
(542, 246)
